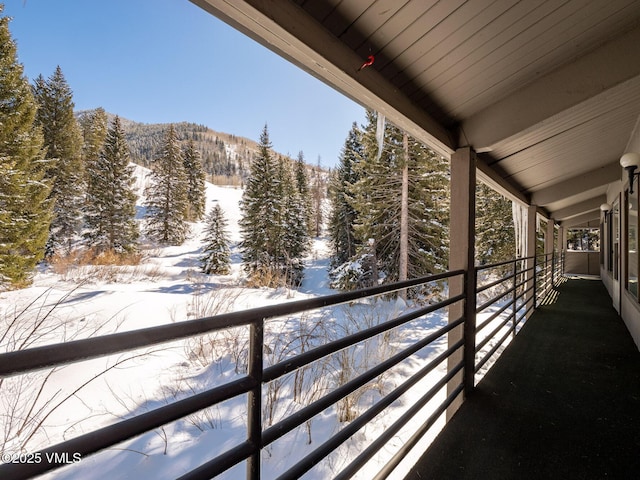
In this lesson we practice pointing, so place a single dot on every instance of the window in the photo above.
(631, 280)
(583, 239)
(603, 237)
(614, 239)
(541, 234)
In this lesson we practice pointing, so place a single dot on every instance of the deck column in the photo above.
(532, 211)
(462, 256)
(549, 248)
(548, 238)
(561, 243)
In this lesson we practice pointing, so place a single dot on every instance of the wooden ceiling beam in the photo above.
(595, 178)
(590, 219)
(587, 77)
(497, 182)
(593, 204)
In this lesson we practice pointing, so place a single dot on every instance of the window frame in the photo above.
(581, 239)
(631, 257)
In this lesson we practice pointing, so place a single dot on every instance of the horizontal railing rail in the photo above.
(20, 362)
(23, 361)
(528, 281)
(505, 294)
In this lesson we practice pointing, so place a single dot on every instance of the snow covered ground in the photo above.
(168, 287)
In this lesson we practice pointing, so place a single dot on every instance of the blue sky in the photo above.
(157, 61)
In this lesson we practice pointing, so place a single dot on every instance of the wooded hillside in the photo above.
(225, 157)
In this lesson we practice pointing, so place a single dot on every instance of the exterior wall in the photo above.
(613, 192)
(606, 280)
(584, 263)
(631, 316)
(627, 305)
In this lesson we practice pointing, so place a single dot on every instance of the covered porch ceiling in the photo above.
(546, 92)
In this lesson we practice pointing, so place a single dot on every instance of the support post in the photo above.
(561, 243)
(462, 256)
(548, 250)
(530, 276)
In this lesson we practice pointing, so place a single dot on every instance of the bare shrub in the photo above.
(310, 333)
(90, 256)
(27, 401)
(112, 257)
(266, 277)
(226, 180)
(212, 348)
(285, 339)
(279, 346)
(202, 420)
(85, 265)
(353, 361)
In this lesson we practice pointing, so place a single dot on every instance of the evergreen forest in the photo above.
(67, 183)
(390, 210)
(225, 157)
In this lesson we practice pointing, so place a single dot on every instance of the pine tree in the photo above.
(273, 225)
(377, 201)
(167, 202)
(63, 144)
(94, 127)
(111, 201)
(318, 195)
(495, 237)
(25, 211)
(292, 229)
(259, 215)
(196, 194)
(302, 186)
(216, 253)
(343, 215)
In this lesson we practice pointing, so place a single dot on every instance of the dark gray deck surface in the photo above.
(563, 401)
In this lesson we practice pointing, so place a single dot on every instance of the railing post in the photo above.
(254, 407)
(535, 282)
(549, 248)
(547, 275)
(530, 254)
(470, 332)
(515, 295)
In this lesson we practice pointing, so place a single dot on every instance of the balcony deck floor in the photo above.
(562, 402)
